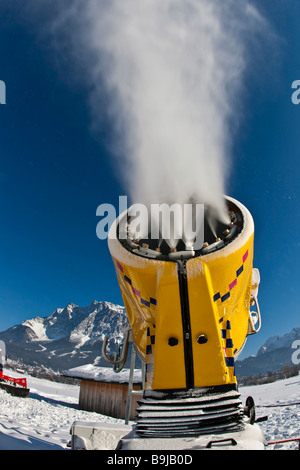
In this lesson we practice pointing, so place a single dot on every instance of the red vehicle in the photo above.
(15, 386)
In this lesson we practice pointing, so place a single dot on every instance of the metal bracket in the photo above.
(254, 318)
(119, 361)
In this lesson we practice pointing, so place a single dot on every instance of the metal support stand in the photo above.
(119, 361)
(130, 383)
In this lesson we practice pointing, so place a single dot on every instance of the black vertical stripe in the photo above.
(186, 324)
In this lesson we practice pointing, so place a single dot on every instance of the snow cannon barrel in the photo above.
(189, 307)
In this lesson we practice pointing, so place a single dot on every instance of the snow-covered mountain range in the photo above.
(275, 353)
(69, 337)
(73, 336)
(278, 342)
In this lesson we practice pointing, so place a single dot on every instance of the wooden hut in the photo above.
(104, 391)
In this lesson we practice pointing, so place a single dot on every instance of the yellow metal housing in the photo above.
(189, 319)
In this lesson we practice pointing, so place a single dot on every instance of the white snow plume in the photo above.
(172, 71)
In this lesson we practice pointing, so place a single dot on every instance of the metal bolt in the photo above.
(172, 341)
(202, 339)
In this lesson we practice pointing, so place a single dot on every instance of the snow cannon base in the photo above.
(117, 437)
(198, 419)
(250, 438)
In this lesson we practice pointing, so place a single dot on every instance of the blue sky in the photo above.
(54, 172)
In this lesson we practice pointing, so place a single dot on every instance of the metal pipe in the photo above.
(130, 385)
(123, 357)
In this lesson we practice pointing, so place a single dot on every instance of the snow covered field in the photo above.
(283, 421)
(43, 421)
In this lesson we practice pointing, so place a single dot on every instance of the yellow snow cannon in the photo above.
(189, 310)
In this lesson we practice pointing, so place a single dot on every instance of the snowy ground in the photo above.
(43, 421)
(283, 421)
